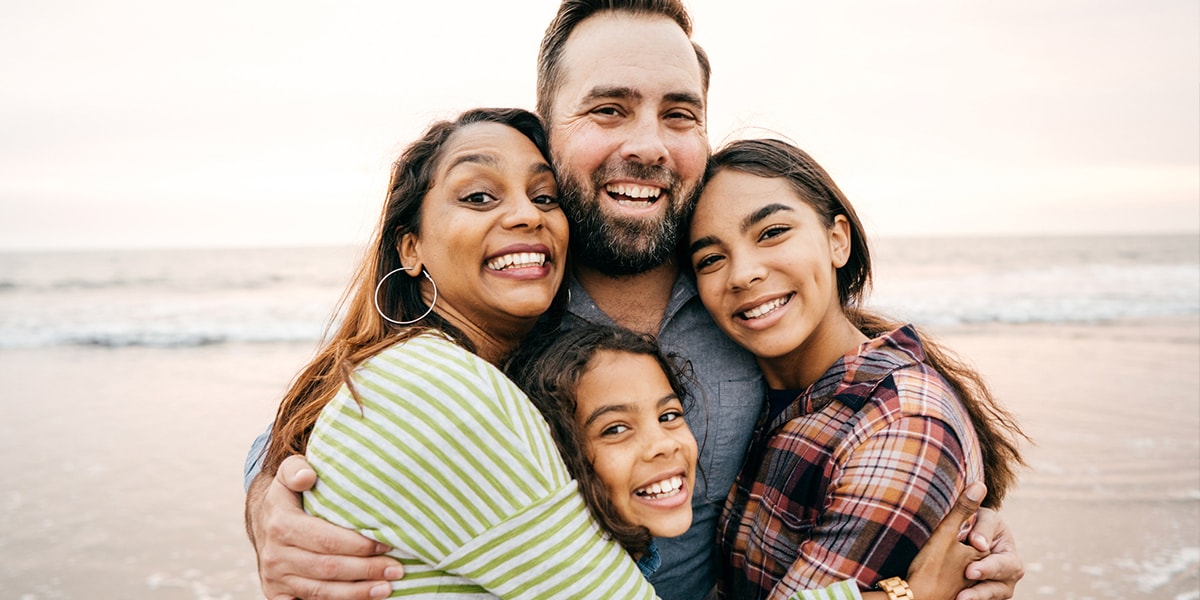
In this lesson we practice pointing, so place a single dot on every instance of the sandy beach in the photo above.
(122, 466)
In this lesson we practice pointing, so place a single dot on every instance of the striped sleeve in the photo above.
(842, 590)
(451, 465)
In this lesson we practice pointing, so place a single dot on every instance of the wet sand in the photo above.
(122, 467)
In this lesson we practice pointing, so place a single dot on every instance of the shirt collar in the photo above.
(853, 377)
(583, 306)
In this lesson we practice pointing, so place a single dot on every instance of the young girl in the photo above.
(869, 431)
(615, 407)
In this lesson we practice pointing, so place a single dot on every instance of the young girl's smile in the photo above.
(637, 440)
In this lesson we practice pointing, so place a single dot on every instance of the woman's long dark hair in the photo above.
(362, 332)
(996, 428)
(548, 369)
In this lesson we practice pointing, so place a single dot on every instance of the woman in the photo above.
(420, 442)
(870, 432)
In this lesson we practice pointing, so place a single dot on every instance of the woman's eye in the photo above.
(545, 200)
(478, 198)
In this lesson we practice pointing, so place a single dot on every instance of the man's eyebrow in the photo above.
(746, 224)
(614, 92)
(684, 98)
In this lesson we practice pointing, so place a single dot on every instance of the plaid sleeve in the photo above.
(889, 491)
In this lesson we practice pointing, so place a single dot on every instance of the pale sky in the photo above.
(142, 123)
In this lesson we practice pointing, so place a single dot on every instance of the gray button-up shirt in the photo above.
(722, 417)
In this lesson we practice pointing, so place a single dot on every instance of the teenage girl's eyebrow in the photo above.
(762, 213)
(749, 221)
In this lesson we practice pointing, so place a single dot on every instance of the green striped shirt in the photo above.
(449, 463)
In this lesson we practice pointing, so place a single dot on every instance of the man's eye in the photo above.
(606, 111)
(478, 198)
(681, 115)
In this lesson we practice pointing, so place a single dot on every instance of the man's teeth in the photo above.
(517, 261)
(645, 193)
(765, 308)
(662, 489)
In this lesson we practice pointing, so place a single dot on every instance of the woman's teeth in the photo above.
(517, 261)
(662, 489)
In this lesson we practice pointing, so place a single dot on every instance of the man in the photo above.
(623, 92)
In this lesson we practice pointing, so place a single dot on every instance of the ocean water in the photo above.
(170, 298)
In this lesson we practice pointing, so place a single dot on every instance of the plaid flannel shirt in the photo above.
(850, 479)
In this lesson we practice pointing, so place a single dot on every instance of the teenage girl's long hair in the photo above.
(996, 428)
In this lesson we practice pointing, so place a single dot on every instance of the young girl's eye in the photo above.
(614, 430)
(670, 415)
(479, 198)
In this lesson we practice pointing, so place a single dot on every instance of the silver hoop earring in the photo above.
(423, 315)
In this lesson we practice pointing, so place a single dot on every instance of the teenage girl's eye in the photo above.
(479, 198)
(773, 231)
(707, 261)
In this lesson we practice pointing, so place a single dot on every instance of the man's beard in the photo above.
(616, 245)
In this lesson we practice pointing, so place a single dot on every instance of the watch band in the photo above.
(896, 588)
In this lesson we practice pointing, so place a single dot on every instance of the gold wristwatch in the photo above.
(896, 588)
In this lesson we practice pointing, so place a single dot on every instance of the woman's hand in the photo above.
(301, 556)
